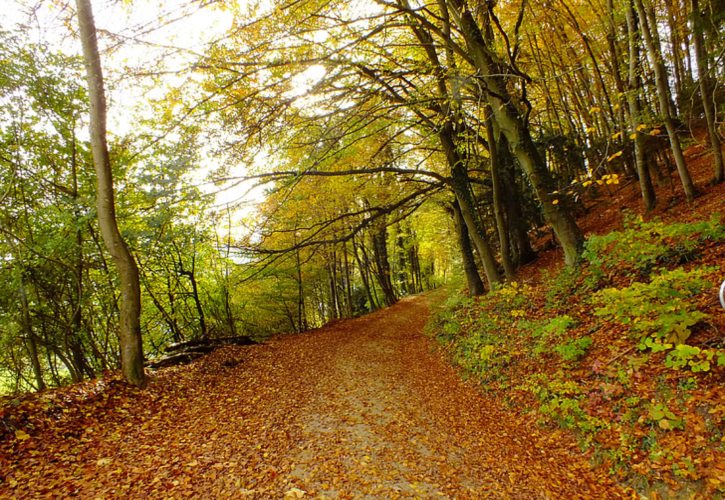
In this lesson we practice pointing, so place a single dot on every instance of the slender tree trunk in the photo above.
(382, 264)
(30, 341)
(521, 250)
(168, 319)
(677, 65)
(301, 315)
(332, 282)
(664, 96)
(499, 209)
(231, 324)
(513, 125)
(615, 54)
(462, 190)
(363, 276)
(75, 334)
(475, 285)
(191, 274)
(130, 327)
(645, 181)
(348, 280)
(706, 93)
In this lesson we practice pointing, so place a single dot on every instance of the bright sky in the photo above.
(153, 37)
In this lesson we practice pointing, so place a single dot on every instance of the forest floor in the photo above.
(362, 408)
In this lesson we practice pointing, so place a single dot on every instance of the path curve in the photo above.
(363, 408)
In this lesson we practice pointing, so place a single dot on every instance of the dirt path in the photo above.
(360, 409)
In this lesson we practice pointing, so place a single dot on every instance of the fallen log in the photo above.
(216, 342)
(182, 353)
(182, 358)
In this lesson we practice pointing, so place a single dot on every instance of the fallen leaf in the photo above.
(295, 493)
(21, 435)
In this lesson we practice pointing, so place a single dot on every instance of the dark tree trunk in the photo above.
(475, 285)
(499, 208)
(29, 337)
(521, 250)
(348, 280)
(460, 184)
(513, 125)
(706, 94)
(363, 275)
(191, 274)
(634, 82)
(664, 96)
(382, 264)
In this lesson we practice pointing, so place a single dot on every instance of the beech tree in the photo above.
(130, 328)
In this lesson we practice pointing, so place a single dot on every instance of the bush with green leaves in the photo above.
(574, 349)
(662, 308)
(560, 401)
(547, 332)
(694, 358)
(641, 245)
(512, 298)
(661, 314)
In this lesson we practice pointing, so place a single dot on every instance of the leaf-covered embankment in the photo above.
(626, 351)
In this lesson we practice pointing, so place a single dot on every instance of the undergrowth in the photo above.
(609, 350)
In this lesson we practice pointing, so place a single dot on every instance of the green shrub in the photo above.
(663, 417)
(572, 351)
(660, 308)
(640, 246)
(694, 358)
(510, 298)
(548, 332)
(560, 402)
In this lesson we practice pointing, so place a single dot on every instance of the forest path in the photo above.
(362, 408)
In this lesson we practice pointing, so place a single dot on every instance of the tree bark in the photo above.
(645, 181)
(664, 96)
(191, 274)
(499, 209)
(706, 94)
(475, 285)
(130, 326)
(364, 275)
(30, 341)
(382, 264)
(514, 127)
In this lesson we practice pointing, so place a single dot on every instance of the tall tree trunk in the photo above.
(29, 337)
(462, 190)
(677, 65)
(229, 314)
(301, 314)
(382, 264)
(191, 274)
(363, 275)
(75, 337)
(664, 96)
(475, 285)
(521, 250)
(615, 54)
(513, 124)
(706, 93)
(130, 327)
(499, 209)
(348, 280)
(645, 181)
(334, 297)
